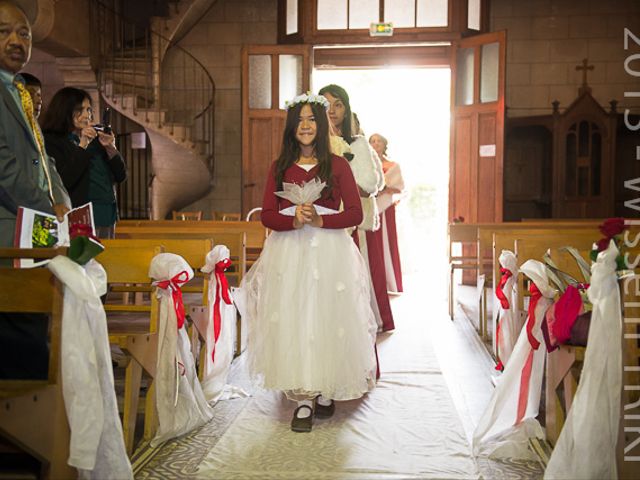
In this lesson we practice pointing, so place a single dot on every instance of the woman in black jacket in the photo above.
(87, 159)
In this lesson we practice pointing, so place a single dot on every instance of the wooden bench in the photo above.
(133, 327)
(234, 241)
(32, 413)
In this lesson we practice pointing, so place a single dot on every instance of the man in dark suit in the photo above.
(28, 178)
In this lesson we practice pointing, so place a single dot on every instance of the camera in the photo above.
(102, 128)
(105, 126)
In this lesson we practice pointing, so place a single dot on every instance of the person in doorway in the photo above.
(28, 178)
(311, 330)
(367, 170)
(88, 160)
(34, 87)
(387, 201)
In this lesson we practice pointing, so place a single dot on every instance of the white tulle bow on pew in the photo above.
(586, 448)
(179, 398)
(97, 444)
(509, 324)
(220, 329)
(509, 420)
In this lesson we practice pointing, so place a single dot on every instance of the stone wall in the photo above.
(44, 66)
(216, 41)
(547, 39)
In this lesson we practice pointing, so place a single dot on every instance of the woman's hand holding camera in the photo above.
(108, 141)
(86, 136)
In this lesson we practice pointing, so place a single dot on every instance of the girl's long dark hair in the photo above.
(338, 92)
(290, 152)
(59, 115)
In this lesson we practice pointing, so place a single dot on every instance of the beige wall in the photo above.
(44, 66)
(216, 41)
(547, 39)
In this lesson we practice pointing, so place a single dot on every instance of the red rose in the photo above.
(612, 226)
(603, 244)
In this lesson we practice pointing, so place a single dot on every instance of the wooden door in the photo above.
(477, 128)
(271, 74)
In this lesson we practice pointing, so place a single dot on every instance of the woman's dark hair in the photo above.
(290, 152)
(59, 115)
(340, 93)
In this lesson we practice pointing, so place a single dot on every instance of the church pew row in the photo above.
(477, 242)
(195, 293)
(133, 327)
(564, 364)
(33, 417)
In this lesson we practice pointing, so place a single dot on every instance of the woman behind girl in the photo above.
(88, 161)
(311, 328)
(386, 201)
(367, 170)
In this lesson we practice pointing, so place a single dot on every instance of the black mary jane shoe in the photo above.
(324, 411)
(302, 425)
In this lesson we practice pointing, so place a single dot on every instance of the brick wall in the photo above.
(547, 39)
(216, 41)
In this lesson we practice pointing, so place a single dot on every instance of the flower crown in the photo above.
(307, 98)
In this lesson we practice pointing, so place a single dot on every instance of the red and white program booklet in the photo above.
(35, 229)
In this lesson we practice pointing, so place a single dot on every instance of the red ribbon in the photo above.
(174, 285)
(81, 230)
(504, 301)
(531, 320)
(525, 377)
(221, 286)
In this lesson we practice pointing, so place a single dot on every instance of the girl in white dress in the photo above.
(311, 330)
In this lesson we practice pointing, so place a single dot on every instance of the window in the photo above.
(359, 14)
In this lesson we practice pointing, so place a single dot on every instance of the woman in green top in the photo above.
(87, 159)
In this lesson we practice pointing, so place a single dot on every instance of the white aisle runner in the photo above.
(407, 428)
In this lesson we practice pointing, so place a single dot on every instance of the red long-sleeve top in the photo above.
(343, 188)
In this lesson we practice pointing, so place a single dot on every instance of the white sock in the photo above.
(305, 412)
(325, 402)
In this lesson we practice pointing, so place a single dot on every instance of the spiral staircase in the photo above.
(145, 76)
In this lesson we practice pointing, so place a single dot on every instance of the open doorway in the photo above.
(411, 108)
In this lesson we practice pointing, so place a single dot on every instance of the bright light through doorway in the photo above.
(411, 108)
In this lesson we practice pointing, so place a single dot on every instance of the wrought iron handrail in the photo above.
(159, 81)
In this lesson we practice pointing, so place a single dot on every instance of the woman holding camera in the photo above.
(86, 156)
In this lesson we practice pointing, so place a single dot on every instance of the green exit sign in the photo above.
(381, 29)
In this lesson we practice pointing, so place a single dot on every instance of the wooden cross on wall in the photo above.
(585, 67)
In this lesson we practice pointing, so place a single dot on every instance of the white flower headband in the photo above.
(307, 98)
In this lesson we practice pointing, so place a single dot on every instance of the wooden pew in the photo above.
(234, 241)
(134, 330)
(33, 416)
(195, 293)
(461, 233)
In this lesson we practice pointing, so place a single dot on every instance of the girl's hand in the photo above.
(315, 220)
(300, 217)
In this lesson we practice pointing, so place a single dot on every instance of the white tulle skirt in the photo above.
(310, 326)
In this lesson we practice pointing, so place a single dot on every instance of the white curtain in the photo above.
(586, 448)
(181, 404)
(97, 444)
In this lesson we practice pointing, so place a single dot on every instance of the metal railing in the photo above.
(164, 86)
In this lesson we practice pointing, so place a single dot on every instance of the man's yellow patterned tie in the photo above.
(27, 107)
